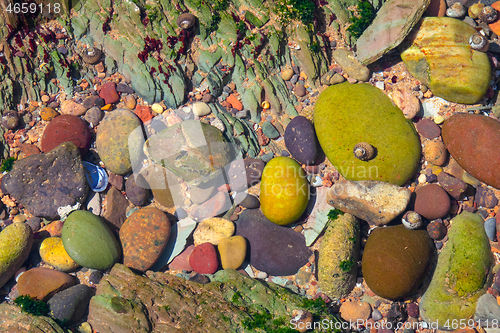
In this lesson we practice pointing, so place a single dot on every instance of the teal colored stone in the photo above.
(462, 275)
(347, 114)
(89, 242)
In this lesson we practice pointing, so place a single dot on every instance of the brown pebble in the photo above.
(130, 102)
(435, 152)
(45, 98)
(207, 98)
(436, 230)
(233, 217)
(300, 90)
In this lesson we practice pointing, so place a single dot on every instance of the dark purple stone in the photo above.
(300, 140)
(274, 249)
(428, 128)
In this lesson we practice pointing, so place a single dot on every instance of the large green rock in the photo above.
(395, 260)
(438, 54)
(347, 114)
(338, 257)
(114, 145)
(194, 151)
(231, 303)
(89, 242)
(462, 275)
(15, 245)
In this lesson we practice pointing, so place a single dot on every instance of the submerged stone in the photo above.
(434, 51)
(462, 274)
(347, 114)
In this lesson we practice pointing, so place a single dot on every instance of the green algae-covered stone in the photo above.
(347, 114)
(89, 242)
(113, 140)
(284, 190)
(395, 260)
(338, 257)
(462, 274)
(438, 54)
(15, 245)
(192, 150)
(144, 235)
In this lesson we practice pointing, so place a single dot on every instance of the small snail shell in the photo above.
(412, 220)
(488, 14)
(364, 151)
(91, 55)
(186, 21)
(457, 10)
(479, 42)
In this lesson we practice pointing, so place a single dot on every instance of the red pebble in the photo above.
(203, 259)
(108, 93)
(143, 112)
(235, 103)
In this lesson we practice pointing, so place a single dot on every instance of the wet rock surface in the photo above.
(45, 182)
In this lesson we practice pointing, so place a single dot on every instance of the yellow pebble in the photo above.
(19, 219)
(233, 251)
(157, 108)
(266, 105)
(439, 119)
(52, 252)
(212, 230)
(106, 107)
(48, 114)
(303, 75)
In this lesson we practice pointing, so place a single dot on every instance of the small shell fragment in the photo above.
(364, 151)
(479, 42)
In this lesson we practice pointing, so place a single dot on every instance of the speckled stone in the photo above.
(301, 141)
(144, 235)
(116, 208)
(42, 283)
(436, 230)
(453, 186)
(485, 197)
(66, 128)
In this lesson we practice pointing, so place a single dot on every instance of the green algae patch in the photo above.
(438, 54)
(462, 273)
(347, 114)
(338, 256)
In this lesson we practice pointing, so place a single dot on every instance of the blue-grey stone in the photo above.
(376, 315)
(270, 131)
(490, 226)
(267, 157)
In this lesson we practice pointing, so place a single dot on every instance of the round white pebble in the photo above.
(422, 179)
(261, 275)
(201, 109)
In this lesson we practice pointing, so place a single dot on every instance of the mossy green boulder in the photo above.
(462, 275)
(438, 54)
(338, 257)
(89, 242)
(119, 140)
(15, 246)
(284, 190)
(347, 114)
